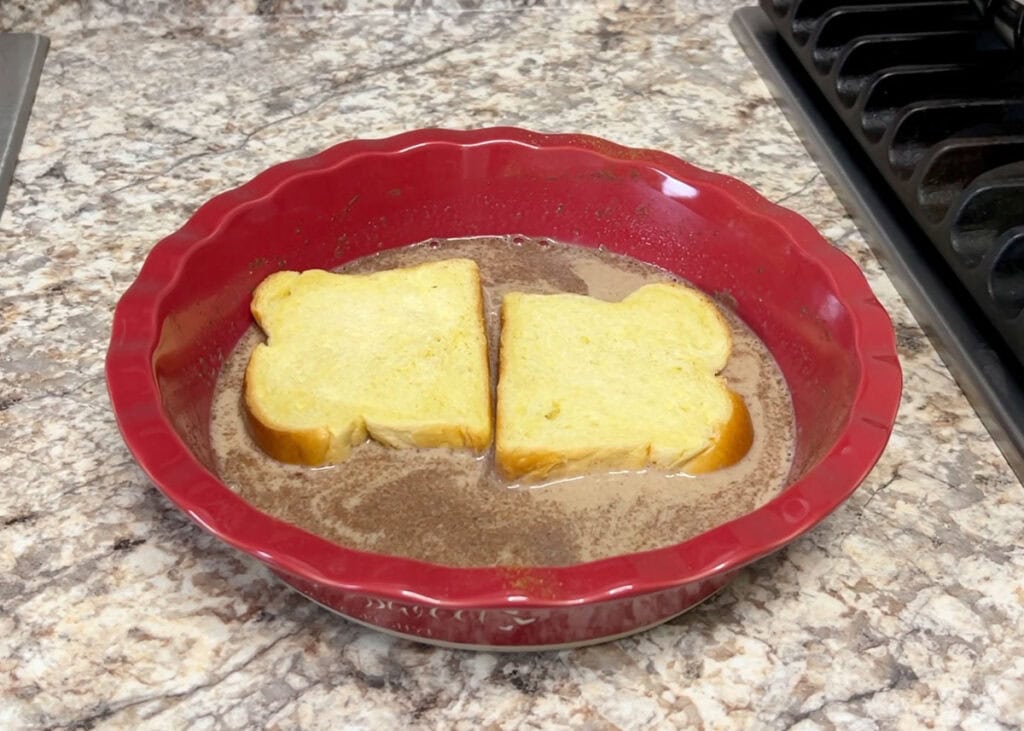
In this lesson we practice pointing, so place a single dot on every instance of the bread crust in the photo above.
(730, 445)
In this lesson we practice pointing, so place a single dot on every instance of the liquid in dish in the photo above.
(451, 507)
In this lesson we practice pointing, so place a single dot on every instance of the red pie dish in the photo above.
(806, 300)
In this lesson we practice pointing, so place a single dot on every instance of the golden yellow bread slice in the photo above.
(586, 384)
(398, 355)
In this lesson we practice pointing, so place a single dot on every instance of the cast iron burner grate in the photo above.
(915, 110)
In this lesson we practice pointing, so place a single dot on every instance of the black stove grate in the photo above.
(864, 167)
(936, 99)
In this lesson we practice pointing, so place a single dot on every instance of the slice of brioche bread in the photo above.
(399, 355)
(586, 384)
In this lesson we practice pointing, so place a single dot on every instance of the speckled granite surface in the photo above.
(904, 608)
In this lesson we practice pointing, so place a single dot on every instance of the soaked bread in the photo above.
(398, 355)
(454, 507)
(586, 384)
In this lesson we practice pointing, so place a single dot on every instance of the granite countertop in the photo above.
(905, 607)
